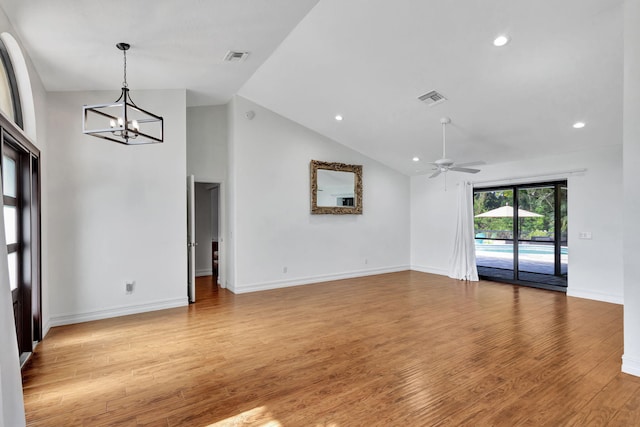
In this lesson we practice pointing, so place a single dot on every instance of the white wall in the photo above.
(207, 143)
(595, 201)
(274, 228)
(119, 212)
(631, 204)
(204, 232)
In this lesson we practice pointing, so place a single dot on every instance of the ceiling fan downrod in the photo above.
(444, 121)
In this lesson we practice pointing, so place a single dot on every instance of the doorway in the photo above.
(207, 226)
(521, 234)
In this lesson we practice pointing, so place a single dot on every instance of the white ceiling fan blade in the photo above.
(476, 163)
(466, 170)
(436, 173)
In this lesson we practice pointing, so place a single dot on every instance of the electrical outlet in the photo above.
(585, 235)
(284, 269)
(129, 286)
(366, 261)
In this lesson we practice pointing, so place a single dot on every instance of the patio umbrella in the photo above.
(507, 212)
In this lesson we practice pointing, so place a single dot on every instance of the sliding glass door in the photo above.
(521, 234)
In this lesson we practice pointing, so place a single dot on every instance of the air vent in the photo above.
(432, 98)
(234, 56)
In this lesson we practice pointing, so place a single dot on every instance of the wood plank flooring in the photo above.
(400, 349)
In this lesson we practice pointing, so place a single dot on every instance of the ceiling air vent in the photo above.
(432, 98)
(234, 56)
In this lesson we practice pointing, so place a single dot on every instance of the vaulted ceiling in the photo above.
(367, 60)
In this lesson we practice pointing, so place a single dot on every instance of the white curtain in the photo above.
(11, 403)
(463, 261)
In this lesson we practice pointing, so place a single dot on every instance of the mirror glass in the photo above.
(336, 188)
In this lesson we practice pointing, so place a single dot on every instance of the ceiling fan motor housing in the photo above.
(446, 163)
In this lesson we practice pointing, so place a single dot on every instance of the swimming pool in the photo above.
(523, 249)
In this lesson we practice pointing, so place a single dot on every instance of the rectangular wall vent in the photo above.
(234, 56)
(432, 98)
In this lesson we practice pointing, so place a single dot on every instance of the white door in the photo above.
(191, 237)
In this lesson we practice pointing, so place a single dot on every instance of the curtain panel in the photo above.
(463, 260)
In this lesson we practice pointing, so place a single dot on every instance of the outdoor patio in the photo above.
(537, 268)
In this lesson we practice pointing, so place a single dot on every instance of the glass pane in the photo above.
(336, 188)
(536, 258)
(6, 100)
(13, 270)
(494, 233)
(493, 215)
(11, 224)
(9, 186)
(536, 222)
(536, 214)
(495, 259)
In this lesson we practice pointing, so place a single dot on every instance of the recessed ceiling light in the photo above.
(416, 159)
(339, 117)
(501, 40)
(579, 125)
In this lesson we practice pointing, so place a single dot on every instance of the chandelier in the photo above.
(123, 121)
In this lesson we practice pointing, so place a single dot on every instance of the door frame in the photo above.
(222, 227)
(191, 239)
(30, 228)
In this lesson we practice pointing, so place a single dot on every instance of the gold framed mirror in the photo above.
(336, 188)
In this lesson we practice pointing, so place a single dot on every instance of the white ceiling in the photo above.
(174, 44)
(367, 60)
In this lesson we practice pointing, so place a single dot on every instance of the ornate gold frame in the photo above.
(335, 210)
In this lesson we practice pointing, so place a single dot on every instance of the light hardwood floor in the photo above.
(401, 349)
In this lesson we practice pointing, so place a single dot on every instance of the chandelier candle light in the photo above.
(123, 121)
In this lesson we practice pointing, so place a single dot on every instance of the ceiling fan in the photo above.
(445, 165)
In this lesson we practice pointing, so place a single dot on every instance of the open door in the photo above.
(191, 237)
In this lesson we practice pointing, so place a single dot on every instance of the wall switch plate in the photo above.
(585, 235)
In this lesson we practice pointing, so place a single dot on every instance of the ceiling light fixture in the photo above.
(579, 125)
(123, 121)
(501, 40)
(339, 117)
(416, 159)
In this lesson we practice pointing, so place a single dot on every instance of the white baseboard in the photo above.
(631, 366)
(432, 270)
(264, 286)
(68, 319)
(204, 272)
(45, 328)
(597, 296)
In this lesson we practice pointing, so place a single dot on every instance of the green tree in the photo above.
(539, 200)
